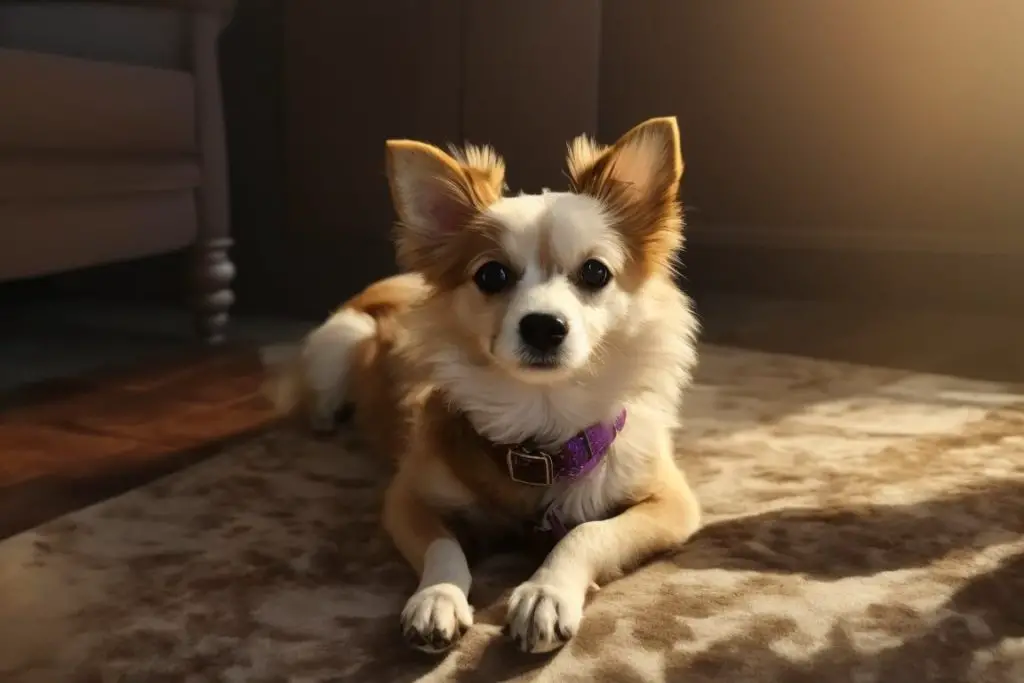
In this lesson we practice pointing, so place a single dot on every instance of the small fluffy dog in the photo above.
(525, 376)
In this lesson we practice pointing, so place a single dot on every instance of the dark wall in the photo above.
(518, 74)
(356, 74)
(833, 148)
(530, 82)
(252, 67)
(899, 122)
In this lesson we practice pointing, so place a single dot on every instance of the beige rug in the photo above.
(864, 525)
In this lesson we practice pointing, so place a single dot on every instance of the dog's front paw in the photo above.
(435, 617)
(543, 617)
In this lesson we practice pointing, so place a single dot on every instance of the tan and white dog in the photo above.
(525, 374)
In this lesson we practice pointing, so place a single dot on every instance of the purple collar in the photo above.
(578, 456)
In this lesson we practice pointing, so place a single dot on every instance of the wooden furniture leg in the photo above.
(214, 270)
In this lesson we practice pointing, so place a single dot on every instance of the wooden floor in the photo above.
(69, 443)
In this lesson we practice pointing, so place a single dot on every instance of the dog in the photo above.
(525, 374)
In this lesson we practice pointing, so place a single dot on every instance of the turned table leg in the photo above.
(214, 271)
(214, 296)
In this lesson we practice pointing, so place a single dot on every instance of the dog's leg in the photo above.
(438, 613)
(545, 612)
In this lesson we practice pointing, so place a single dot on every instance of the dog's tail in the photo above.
(315, 380)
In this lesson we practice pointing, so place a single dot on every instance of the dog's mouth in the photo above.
(532, 365)
(541, 363)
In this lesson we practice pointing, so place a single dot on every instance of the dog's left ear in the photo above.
(638, 178)
(645, 163)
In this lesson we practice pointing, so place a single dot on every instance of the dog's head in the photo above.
(536, 284)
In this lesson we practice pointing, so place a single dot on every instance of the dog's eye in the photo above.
(492, 277)
(594, 275)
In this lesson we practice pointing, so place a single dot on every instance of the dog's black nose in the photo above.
(543, 332)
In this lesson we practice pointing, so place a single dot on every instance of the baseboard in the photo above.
(971, 241)
(964, 280)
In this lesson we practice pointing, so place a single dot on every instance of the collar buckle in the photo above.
(528, 463)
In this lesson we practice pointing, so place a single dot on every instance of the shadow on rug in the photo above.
(862, 525)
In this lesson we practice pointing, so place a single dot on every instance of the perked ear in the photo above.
(437, 195)
(646, 162)
(638, 178)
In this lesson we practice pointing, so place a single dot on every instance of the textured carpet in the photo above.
(863, 525)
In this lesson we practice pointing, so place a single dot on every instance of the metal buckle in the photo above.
(532, 457)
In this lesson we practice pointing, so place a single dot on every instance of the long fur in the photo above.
(435, 369)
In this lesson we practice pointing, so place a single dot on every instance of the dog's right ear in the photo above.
(437, 195)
